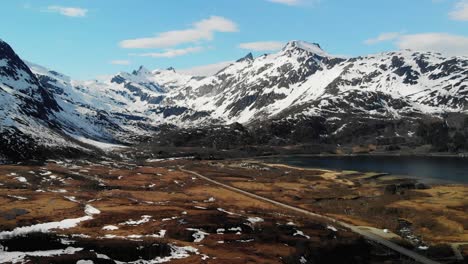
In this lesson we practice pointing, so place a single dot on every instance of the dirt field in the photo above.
(106, 212)
(427, 218)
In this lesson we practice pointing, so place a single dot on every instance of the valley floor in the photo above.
(156, 212)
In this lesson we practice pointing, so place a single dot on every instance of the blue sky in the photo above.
(88, 38)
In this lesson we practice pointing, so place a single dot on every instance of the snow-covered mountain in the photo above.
(303, 76)
(300, 82)
(27, 109)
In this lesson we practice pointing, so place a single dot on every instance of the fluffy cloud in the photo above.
(120, 62)
(206, 70)
(383, 37)
(440, 42)
(448, 44)
(68, 11)
(461, 11)
(201, 30)
(171, 53)
(262, 45)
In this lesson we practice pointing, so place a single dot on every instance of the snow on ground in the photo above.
(110, 228)
(20, 257)
(234, 229)
(17, 197)
(90, 210)
(84, 262)
(210, 200)
(102, 256)
(238, 230)
(170, 159)
(199, 235)
(21, 179)
(161, 234)
(71, 199)
(246, 240)
(43, 228)
(254, 220)
(227, 212)
(300, 233)
(144, 219)
(58, 191)
(169, 219)
(98, 144)
(47, 227)
(176, 253)
(310, 47)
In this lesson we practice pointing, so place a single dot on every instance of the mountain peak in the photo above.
(300, 43)
(248, 57)
(307, 46)
(141, 70)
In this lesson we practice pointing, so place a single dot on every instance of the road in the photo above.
(356, 229)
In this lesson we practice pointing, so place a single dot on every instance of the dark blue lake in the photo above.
(426, 169)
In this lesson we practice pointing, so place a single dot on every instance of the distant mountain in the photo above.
(300, 88)
(302, 79)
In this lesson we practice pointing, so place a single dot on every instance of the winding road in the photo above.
(356, 229)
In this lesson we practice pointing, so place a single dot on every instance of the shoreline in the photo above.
(378, 154)
(377, 174)
(434, 180)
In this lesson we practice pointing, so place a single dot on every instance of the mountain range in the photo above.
(299, 95)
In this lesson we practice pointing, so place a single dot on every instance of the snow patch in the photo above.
(254, 220)
(110, 228)
(144, 219)
(90, 210)
(21, 257)
(47, 227)
(199, 235)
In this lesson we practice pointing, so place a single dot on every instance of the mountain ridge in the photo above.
(300, 82)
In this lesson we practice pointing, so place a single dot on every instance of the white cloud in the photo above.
(262, 45)
(461, 11)
(201, 30)
(68, 11)
(104, 77)
(445, 43)
(170, 53)
(206, 70)
(120, 62)
(448, 44)
(383, 38)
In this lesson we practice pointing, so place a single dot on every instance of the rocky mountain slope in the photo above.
(27, 109)
(303, 76)
(300, 93)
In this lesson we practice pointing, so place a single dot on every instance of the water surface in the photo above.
(426, 169)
